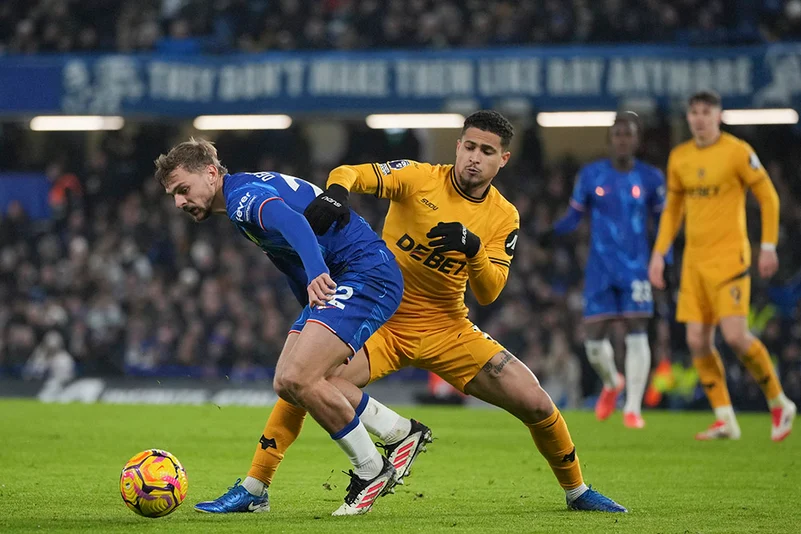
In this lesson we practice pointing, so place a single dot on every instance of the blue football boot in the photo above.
(593, 501)
(236, 499)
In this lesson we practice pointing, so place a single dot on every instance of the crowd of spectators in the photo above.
(217, 26)
(134, 287)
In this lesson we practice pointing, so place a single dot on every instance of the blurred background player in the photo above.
(707, 180)
(620, 194)
(337, 318)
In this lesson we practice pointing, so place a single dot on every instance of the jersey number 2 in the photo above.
(342, 293)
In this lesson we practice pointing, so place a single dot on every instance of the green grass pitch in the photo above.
(60, 466)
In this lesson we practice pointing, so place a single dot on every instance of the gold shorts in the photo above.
(713, 289)
(456, 352)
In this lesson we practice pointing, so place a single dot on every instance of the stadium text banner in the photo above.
(561, 78)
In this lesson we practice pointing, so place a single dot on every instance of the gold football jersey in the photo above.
(708, 185)
(423, 195)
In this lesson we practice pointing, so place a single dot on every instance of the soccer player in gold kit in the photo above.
(707, 180)
(447, 226)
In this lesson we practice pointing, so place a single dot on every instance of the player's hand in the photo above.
(331, 206)
(768, 263)
(447, 237)
(321, 290)
(656, 271)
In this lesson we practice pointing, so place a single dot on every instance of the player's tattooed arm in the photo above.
(494, 370)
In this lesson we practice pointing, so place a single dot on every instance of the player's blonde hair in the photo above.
(193, 155)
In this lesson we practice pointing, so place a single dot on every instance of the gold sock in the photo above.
(553, 441)
(713, 379)
(757, 360)
(282, 429)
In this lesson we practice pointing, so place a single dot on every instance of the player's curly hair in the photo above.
(193, 155)
(493, 122)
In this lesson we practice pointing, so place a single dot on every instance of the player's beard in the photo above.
(198, 213)
(470, 181)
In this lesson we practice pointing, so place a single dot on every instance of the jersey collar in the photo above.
(464, 195)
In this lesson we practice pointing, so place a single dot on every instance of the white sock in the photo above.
(638, 366)
(725, 414)
(575, 493)
(380, 421)
(355, 441)
(602, 358)
(255, 486)
(779, 400)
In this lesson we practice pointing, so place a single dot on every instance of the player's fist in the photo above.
(331, 206)
(321, 290)
(447, 237)
(656, 271)
(768, 262)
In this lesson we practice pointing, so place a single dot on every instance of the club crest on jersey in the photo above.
(701, 174)
(399, 164)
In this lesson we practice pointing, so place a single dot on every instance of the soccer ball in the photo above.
(153, 483)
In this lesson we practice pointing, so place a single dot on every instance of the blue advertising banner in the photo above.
(557, 78)
(29, 189)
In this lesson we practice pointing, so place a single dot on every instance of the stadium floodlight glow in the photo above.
(75, 123)
(242, 122)
(575, 119)
(736, 117)
(413, 121)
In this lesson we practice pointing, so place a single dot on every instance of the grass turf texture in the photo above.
(60, 466)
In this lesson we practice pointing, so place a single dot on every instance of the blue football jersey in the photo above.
(619, 204)
(356, 247)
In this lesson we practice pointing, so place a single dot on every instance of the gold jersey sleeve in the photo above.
(707, 186)
(423, 195)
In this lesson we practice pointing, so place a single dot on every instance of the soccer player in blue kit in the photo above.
(620, 193)
(337, 318)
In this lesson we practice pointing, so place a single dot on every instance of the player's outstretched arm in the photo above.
(332, 206)
(296, 230)
(567, 224)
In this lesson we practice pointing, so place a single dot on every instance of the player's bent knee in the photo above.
(698, 344)
(738, 341)
(539, 405)
(290, 385)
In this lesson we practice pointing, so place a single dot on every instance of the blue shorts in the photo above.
(363, 302)
(610, 301)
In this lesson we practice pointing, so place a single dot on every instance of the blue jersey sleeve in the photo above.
(575, 211)
(263, 207)
(656, 193)
(580, 200)
(569, 221)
